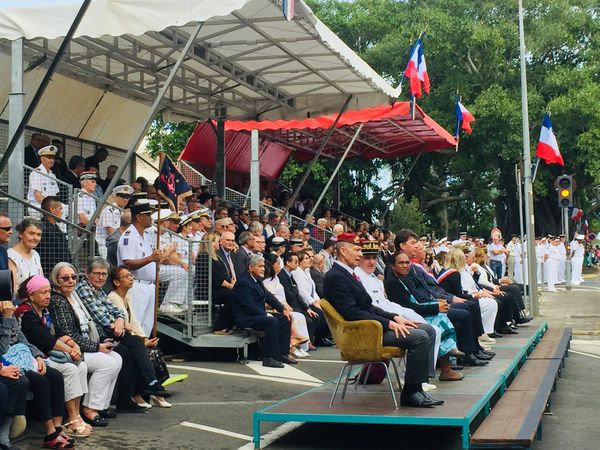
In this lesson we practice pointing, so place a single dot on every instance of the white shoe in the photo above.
(143, 404)
(485, 338)
(170, 308)
(297, 353)
(428, 387)
(160, 402)
(305, 354)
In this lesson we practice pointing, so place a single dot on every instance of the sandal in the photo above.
(78, 428)
(58, 443)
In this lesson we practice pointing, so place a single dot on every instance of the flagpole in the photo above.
(528, 184)
(157, 273)
(457, 128)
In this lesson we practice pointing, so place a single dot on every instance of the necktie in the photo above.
(356, 278)
(231, 268)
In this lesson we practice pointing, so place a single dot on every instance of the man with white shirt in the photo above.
(42, 182)
(577, 255)
(551, 261)
(110, 217)
(562, 259)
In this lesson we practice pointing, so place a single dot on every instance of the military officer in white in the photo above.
(551, 262)
(42, 182)
(173, 269)
(86, 202)
(136, 253)
(577, 255)
(110, 217)
(540, 251)
(562, 259)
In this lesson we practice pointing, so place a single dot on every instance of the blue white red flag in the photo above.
(412, 69)
(172, 186)
(547, 148)
(463, 119)
(287, 6)
(422, 69)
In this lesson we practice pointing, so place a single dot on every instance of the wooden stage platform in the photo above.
(467, 402)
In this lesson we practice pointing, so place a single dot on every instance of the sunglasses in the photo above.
(6, 228)
(68, 277)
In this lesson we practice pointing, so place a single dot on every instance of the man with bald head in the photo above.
(344, 290)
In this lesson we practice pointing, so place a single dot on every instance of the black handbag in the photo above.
(159, 363)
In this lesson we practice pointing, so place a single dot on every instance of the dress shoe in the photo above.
(126, 407)
(456, 352)
(108, 413)
(522, 320)
(487, 352)
(325, 342)
(156, 389)
(495, 335)
(451, 375)
(287, 359)
(488, 339)
(482, 356)
(471, 360)
(272, 362)
(457, 367)
(416, 400)
(435, 401)
(507, 330)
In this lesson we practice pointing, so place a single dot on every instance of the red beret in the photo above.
(351, 238)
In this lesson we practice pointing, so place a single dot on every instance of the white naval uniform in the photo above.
(562, 262)
(176, 276)
(133, 246)
(45, 182)
(518, 252)
(86, 205)
(374, 286)
(553, 253)
(110, 217)
(540, 251)
(578, 253)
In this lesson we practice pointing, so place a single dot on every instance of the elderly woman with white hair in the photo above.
(77, 330)
(249, 312)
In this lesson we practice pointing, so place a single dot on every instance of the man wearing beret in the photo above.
(344, 290)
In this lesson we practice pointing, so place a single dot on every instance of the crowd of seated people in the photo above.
(85, 334)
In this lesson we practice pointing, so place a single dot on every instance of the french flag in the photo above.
(422, 69)
(547, 148)
(463, 119)
(287, 6)
(412, 70)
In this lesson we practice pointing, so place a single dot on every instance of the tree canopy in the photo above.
(472, 50)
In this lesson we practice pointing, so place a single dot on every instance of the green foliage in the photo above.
(408, 214)
(168, 137)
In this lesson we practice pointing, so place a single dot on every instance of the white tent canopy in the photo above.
(248, 62)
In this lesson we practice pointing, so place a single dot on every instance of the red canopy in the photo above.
(388, 132)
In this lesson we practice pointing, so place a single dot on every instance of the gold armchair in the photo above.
(360, 342)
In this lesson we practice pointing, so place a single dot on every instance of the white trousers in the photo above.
(143, 299)
(75, 377)
(104, 369)
(576, 269)
(560, 275)
(177, 292)
(551, 273)
(489, 309)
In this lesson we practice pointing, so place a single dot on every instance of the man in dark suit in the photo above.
(223, 281)
(38, 140)
(243, 223)
(5, 234)
(76, 168)
(249, 312)
(241, 257)
(346, 293)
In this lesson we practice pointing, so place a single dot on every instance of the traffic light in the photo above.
(565, 191)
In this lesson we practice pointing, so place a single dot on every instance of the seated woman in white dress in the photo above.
(299, 341)
(23, 260)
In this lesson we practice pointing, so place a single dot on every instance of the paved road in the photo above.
(213, 408)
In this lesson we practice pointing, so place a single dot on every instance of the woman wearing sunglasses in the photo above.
(78, 330)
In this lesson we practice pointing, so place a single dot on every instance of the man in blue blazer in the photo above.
(249, 297)
(348, 296)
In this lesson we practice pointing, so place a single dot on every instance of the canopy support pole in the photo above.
(143, 130)
(335, 171)
(254, 172)
(399, 190)
(318, 154)
(15, 114)
(18, 131)
(220, 160)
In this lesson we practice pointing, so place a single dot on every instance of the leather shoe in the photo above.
(416, 400)
(108, 413)
(487, 352)
(507, 330)
(482, 356)
(287, 360)
(495, 335)
(97, 421)
(457, 367)
(471, 360)
(326, 342)
(272, 362)
(435, 401)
